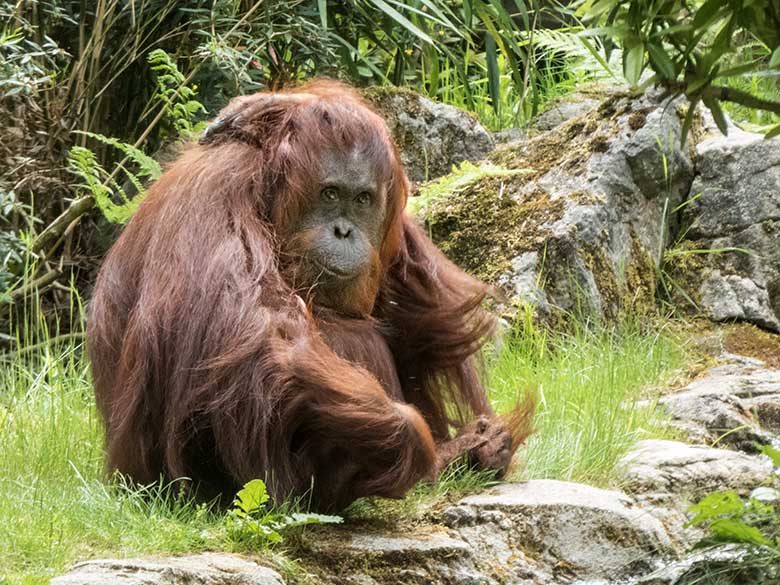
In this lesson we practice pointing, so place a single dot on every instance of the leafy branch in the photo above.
(689, 46)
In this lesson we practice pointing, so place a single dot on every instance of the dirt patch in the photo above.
(749, 340)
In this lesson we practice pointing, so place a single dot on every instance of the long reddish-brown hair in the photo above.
(210, 364)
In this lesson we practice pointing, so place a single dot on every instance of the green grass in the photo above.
(597, 390)
(56, 508)
(516, 108)
(764, 84)
(54, 505)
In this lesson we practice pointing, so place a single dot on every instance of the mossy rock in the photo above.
(572, 220)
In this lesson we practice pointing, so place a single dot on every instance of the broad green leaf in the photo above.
(322, 7)
(523, 12)
(360, 55)
(717, 113)
(714, 505)
(706, 13)
(663, 64)
(494, 76)
(738, 70)
(633, 62)
(598, 8)
(252, 496)
(768, 450)
(695, 84)
(773, 133)
(443, 19)
(720, 46)
(735, 531)
(596, 55)
(423, 14)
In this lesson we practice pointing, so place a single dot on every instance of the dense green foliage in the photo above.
(695, 48)
(91, 90)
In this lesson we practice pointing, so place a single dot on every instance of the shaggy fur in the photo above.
(211, 363)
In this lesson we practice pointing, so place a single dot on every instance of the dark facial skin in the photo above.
(344, 225)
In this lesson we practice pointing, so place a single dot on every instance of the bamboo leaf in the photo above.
(663, 64)
(633, 62)
(322, 7)
(738, 70)
(717, 113)
(706, 13)
(363, 58)
(775, 59)
(596, 55)
(774, 132)
(688, 122)
(523, 11)
(402, 20)
(494, 79)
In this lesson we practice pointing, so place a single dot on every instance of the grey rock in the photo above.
(431, 137)
(732, 404)
(573, 105)
(766, 410)
(202, 569)
(766, 494)
(455, 516)
(700, 567)
(691, 471)
(509, 135)
(426, 557)
(594, 533)
(361, 580)
(393, 546)
(737, 209)
(581, 227)
(523, 282)
(563, 111)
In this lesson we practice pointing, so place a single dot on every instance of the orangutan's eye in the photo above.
(363, 198)
(330, 194)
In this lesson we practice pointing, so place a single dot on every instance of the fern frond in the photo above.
(83, 164)
(147, 166)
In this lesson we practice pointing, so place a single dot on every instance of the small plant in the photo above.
(180, 108)
(253, 523)
(747, 528)
(177, 97)
(103, 185)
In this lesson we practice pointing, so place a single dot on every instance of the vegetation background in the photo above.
(96, 94)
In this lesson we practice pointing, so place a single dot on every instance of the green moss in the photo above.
(569, 146)
(685, 267)
(484, 226)
(460, 179)
(641, 280)
(482, 219)
(606, 280)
